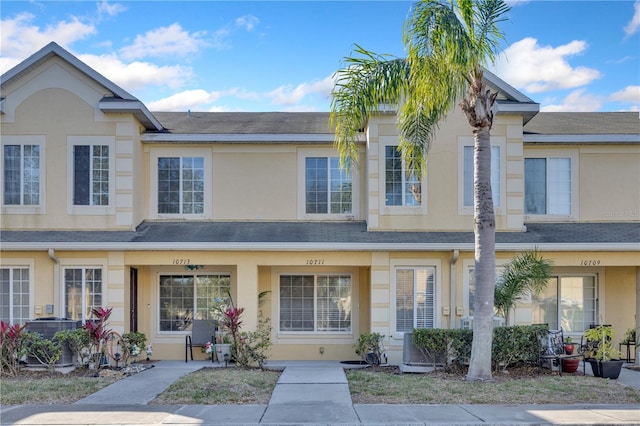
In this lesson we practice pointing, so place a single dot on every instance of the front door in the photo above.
(133, 300)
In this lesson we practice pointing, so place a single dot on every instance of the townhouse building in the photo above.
(155, 214)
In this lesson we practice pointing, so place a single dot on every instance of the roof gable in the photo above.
(126, 101)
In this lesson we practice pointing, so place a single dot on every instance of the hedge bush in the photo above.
(448, 347)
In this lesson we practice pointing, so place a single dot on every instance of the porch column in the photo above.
(247, 293)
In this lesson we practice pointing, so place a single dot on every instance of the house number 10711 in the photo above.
(315, 261)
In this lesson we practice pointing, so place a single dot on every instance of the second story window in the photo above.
(547, 186)
(180, 185)
(327, 187)
(90, 175)
(21, 175)
(401, 187)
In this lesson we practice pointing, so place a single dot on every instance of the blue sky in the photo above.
(280, 56)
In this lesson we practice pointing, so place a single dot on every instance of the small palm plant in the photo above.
(526, 272)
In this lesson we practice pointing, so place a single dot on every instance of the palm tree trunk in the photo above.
(485, 261)
(477, 108)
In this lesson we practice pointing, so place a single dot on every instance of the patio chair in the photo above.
(551, 349)
(202, 332)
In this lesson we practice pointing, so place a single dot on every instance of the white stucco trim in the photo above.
(239, 137)
(290, 247)
(582, 139)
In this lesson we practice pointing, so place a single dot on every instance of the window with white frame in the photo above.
(185, 297)
(415, 298)
(21, 174)
(180, 185)
(468, 168)
(569, 302)
(547, 186)
(328, 188)
(402, 188)
(83, 291)
(472, 285)
(91, 175)
(14, 295)
(315, 303)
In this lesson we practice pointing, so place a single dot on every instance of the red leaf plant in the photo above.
(99, 333)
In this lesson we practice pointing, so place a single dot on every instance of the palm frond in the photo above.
(365, 83)
(526, 272)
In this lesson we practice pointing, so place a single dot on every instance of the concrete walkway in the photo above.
(307, 393)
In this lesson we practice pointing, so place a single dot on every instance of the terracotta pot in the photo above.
(569, 348)
(570, 365)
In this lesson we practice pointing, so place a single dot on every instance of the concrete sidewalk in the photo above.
(307, 393)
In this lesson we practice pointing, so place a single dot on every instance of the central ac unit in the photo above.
(412, 355)
(467, 322)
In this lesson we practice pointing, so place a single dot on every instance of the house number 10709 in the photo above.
(589, 262)
(315, 261)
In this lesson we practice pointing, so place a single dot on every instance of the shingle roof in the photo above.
(245, 122)
(322, 233)
(583, 123)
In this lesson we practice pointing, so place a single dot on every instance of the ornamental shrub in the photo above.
(133, 344)
(369, 347)
(448, 347)
(515, 344)
(12, 348)
(46, 351)
(442, 346)
(79, 341)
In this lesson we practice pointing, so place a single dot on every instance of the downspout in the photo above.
(452, 276)
(56, 279)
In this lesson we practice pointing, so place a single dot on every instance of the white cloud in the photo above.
(136, 75)
(106, 8)
(630, 94)
(527, 65)
(20, 38)
(634, 25)
(286, 95)
(248, 22)
(576, 101)
(200, 100)
(164, 42)
(187, 100)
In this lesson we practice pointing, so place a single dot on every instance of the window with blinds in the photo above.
(415, 298)
(315, 303)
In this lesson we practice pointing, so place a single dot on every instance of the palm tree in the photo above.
(526, 272)
(448, 43)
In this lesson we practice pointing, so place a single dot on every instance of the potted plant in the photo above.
(570, 365)
(605, 359)
(370, 349)
(223, 347)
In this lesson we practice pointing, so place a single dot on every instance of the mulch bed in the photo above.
(31, 373)
(459, 372)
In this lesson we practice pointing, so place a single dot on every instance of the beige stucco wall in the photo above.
(606, 174)
(255, 183)
(442, 207)
(59, 105)
(254, 272)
